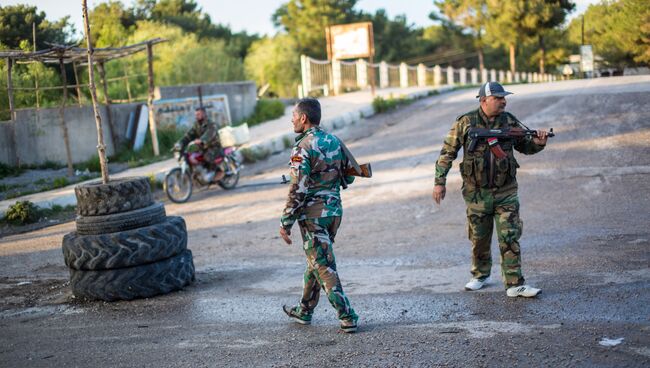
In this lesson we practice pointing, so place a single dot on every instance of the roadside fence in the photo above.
(338, 76)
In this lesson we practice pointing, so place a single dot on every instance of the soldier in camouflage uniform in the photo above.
(489, 189)
(204, 133)
(317, 165)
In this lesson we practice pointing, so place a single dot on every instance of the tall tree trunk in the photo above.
(101, 147)
(481, 64)
(513, 67)
(543, 56)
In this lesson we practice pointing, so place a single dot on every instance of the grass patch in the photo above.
(6, 170)
(380, 104)
(265, 110)
(60, 182)
(253, 155)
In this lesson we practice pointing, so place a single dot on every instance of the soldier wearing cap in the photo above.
(490, 188)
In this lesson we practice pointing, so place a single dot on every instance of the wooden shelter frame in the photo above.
(78, 56)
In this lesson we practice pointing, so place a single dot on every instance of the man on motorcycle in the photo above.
(204, 133)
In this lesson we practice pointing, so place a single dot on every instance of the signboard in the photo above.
(350, 41)
(586, 58)
(179, 112)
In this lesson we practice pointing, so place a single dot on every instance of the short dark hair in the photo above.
(311, 108)
(200, 108)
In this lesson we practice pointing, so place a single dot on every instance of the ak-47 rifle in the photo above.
(492, 137)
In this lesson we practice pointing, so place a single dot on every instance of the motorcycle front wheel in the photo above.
(178, 186)
(230, 180)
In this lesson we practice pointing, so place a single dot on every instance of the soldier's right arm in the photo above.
(452, 144)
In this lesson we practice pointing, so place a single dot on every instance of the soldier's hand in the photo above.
(284, 233)
(541, 138)
(439, 192)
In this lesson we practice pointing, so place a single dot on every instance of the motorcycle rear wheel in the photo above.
(178, 186)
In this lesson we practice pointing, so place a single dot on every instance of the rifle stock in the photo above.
(366, 171)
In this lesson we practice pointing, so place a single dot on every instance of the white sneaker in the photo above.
(523, 290)
(475, 284)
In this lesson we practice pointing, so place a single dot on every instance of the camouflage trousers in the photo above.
(484, 208)
(318, 237)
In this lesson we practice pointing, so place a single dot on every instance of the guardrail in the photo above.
(339, 76)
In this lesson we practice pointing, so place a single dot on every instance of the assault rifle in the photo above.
(365, 171)
(492, 137)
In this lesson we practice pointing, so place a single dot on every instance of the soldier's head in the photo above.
(200, 114)
(306, 114)
(492, 98)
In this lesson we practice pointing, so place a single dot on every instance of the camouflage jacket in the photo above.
(206, 132)
(481, 168)
(316, 165)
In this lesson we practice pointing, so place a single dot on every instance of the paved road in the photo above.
(403, 260)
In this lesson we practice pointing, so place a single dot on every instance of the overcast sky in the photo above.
(254, 16)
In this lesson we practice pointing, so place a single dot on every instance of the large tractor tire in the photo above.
(135, 282)
(92, 225)
(127, 248)
(118, 195)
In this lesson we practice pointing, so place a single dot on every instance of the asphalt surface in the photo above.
(403, 260)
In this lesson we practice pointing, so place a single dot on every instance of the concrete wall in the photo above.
(39, 136)
(242, 96)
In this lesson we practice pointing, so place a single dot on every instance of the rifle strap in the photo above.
(496, 149)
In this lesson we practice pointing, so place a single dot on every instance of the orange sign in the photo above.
(350, 41)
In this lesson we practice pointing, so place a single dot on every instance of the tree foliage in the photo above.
(618, 30)
(274, 60)
(16, 28)
(305, 22)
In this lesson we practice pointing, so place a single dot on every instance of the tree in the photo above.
(111, 23)
(618, 30)
(16, 28)
(470, 14)
(548, 14)
(274, 60)
(305, 22)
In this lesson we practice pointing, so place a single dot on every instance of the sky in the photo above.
(254, 16)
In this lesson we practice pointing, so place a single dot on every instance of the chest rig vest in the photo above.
(481, 168)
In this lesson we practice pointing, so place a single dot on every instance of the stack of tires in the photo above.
(125, 246)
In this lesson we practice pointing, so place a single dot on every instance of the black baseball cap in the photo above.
(492, 89)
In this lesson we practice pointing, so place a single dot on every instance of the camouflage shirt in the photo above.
(207, 132)
(316, 163)
(481, 168)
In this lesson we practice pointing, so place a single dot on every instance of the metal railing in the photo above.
(342, 76)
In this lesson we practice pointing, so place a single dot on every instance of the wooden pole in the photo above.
(77, 82)
(101, 148)
(64, 127)
(152, 121)
(128, 86)
(107, 103)
(10, 89)
(38, 102)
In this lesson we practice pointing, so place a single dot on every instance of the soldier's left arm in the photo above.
(300, 171)
(527, 145)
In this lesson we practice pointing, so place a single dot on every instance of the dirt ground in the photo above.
(403, 260)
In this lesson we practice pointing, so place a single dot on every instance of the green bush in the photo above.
(21, 213)
(379, 104)
(92, 164)
(265, 110)
(60, 182)
(251, 156)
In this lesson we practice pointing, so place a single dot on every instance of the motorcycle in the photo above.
(191, 171)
